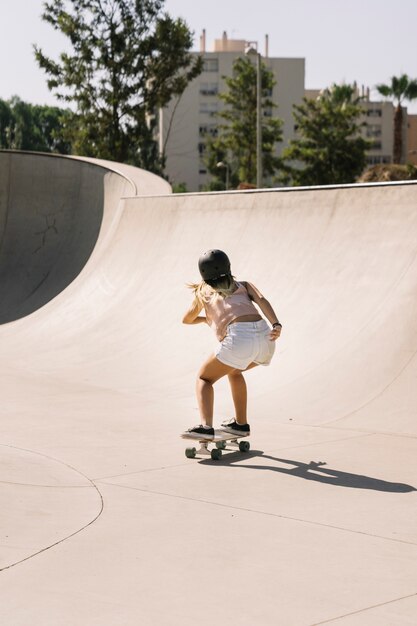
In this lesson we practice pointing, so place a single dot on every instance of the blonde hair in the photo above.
(221, 288)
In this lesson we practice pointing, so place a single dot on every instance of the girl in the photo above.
(245, 338)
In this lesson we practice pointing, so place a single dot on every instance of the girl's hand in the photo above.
(275, 333)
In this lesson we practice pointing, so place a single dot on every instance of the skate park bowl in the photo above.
(104, 520)
(51, 212)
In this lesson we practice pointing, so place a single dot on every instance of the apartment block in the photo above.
(377, 126)
(185, 124)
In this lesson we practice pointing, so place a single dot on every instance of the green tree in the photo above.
(6, 123)
(328, 148)
(179, 188)
(128, 59)
(25, 126)
(235, 143)
(401, 88)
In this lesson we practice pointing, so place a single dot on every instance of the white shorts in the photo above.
(244, 343)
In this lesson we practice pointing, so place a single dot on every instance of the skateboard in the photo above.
(220, 440)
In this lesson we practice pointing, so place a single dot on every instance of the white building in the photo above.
(379, 129)
(185, 123)
(377, 126)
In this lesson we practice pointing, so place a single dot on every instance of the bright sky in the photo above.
(342, 40)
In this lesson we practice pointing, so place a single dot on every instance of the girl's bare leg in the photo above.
(240, 393)
(211, 371)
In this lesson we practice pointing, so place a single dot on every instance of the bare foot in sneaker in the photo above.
(232, 426)
(200, 432)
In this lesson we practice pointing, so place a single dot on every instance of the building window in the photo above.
(208, 107)
(209, 89)
(376, 145)
(374, 112)
(210, 65)
(201, 148)
(202, 171)
(373, 130)
(377, 159)
(208, 129)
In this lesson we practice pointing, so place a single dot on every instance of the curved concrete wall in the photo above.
(52, 210)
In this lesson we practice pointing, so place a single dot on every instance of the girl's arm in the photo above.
(266, 308)
(191, 316)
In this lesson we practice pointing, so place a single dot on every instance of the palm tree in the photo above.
(400, 89)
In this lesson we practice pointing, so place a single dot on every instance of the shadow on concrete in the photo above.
(311, 471)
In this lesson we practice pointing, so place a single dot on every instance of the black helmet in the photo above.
(214, 264)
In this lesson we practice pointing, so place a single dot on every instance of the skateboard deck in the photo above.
(220, 441)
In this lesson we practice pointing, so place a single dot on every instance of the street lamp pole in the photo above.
(258, 122)
(251, 51)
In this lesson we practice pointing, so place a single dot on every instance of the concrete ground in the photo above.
(104, 521)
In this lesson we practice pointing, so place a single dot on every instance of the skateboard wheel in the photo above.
(216, 454)
(190, 453)
(221, 445)
(244, 446)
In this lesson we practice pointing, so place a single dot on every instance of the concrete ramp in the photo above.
(51, 213)
(106, 520)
